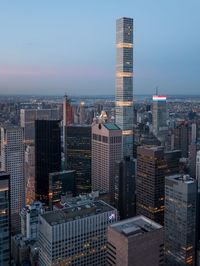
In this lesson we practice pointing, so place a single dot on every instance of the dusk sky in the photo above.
(58, 46)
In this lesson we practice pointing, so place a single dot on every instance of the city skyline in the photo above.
(54, 48)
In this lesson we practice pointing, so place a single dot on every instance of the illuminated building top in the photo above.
(159, 98)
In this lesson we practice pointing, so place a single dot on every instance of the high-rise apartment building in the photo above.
(151, 170)
(5, 233)
(28, 117)
(47, 155)
(124, 187)
(78, 155)
(180, 220)
(106, 150)
(12, 162)
(135, 241)
(159, 112)
(124, 82)
(75, 235)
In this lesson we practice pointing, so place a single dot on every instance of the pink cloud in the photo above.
(54, 72)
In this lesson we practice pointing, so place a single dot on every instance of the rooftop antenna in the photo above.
(156, 90)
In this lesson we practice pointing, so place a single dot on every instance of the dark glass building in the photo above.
(150, 180)
(124, 198)
(4, 219)
(78, 157)
(47, 155)
(173, 161)
(61, 184)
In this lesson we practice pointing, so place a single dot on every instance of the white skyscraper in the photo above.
(75, 235)
(12, 162)
(106, 150)
(124, 82)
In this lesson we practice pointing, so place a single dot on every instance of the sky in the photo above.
(64, 46)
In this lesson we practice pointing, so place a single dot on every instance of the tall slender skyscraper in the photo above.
(124, 82)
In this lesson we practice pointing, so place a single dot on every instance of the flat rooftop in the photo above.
(135, 226)
(181, 178)
(79, 211)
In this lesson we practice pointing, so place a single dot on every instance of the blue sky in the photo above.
(53, 47)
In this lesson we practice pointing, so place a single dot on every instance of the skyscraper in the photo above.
(78, 156)
(61, 184)
(4, 219)
(180, 220)
(82, 113)
(67, 112)
(124, 187)
(198, 168)
(75, 235)
(28, 117)
(159, 115)
(106, 150)
(135, 241)
(68, 118)
(124, 82)
(12, 162)
(30, 173)
(47, 155)
(151, 170)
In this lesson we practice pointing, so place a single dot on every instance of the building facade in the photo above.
(78, 156)
(30, 173)
(61, 184)
(106, 150)
(47, 155)
(12, 162)
(28, 117)
(150, 180)
(198, 168)
(30, 220)
(5, 233)
(124, 82)
(180, 220)
(75, 235)
(135, 241)
(124, 188)
(159, 112)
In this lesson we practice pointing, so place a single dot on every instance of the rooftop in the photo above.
(135, 226)
(79, 211)
(111, 126)
(181, 178)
